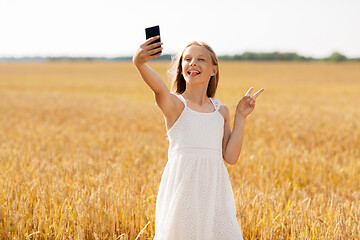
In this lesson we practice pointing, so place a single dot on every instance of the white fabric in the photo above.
(195, 200)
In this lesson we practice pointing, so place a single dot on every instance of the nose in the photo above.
(192, 63)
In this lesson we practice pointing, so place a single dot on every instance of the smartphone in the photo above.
(152, 32)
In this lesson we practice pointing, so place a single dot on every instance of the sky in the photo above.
(109, 28)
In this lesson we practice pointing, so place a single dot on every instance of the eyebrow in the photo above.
(201, 55)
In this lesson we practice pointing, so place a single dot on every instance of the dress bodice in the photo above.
(195, 129)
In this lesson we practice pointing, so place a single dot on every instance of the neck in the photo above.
(196, 94)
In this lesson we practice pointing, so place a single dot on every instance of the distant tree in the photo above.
(336, 57)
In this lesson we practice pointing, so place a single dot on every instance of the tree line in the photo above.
(246, 56)
(286, 56)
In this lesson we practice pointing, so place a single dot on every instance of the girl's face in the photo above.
(197, 66)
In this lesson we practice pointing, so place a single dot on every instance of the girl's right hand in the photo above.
(143, 54)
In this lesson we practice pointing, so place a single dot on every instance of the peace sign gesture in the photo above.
(247, 104)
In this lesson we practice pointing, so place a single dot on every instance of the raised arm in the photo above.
(166, 101)
(233, 140)
(145, 53)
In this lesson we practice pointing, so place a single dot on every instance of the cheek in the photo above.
(206, 68)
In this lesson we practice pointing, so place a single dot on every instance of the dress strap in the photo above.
(216, 102)
(182, 99)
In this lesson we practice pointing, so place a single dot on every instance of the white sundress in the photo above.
(195, 200)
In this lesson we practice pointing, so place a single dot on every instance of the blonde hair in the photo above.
(179, 84)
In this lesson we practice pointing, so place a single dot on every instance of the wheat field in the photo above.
(83, 147)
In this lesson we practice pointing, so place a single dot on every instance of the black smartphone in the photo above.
(152, 32)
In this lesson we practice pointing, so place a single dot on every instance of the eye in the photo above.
(187, 59)
(201, 59)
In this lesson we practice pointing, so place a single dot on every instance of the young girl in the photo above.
(195, 198)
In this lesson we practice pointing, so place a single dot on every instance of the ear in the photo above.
(215, 70)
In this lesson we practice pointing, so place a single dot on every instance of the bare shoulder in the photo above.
(171, 107)
(177, 103)
(225, 112)
(168, 103)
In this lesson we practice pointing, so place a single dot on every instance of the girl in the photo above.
(195, 198)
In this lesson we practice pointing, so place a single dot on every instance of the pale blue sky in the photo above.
(114, 28)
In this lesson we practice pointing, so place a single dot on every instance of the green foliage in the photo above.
(246, 56)
(336, 57)
(272, 56)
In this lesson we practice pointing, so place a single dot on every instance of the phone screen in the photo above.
(152, 32)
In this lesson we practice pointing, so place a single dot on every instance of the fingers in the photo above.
(148, 51)
(155, 50)
(151, 50)
(153, 46)
(249, 99)
(150, 40)
(247, 96)
(258, 93)
(155, 55)
(255, 95)
(249, 91)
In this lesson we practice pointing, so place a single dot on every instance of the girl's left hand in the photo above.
(247, 104)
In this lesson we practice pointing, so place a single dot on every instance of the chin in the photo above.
(195, 81)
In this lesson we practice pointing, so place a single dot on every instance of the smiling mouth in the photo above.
(193, 73)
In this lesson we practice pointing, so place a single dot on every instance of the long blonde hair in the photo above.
(178, 83)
